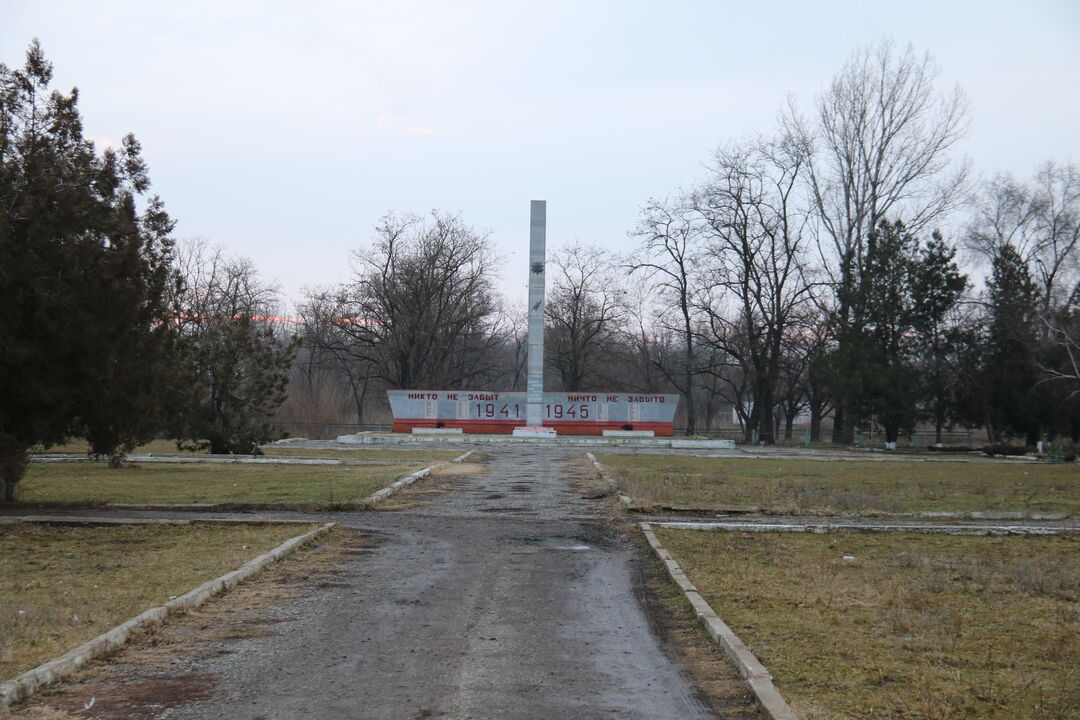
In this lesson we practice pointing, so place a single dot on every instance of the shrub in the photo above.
(1004, 449)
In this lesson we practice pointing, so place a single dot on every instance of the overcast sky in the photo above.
(285, 130)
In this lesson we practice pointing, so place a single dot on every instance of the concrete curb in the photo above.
(753, 672)
(873, 527)
(380, 495)
(570, 440)
(626, 500)
(24, 685)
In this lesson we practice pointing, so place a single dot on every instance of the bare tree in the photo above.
(758, 281)
(1065, 336)
(725, 384)
(517, 340)
(646, 344)
(233, 347)
(670, 236)
(809, 343)
(878, 145)
(330, 341)
(584, 312)
(1041, 222)
(422, 309)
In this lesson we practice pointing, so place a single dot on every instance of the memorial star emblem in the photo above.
(537, 267)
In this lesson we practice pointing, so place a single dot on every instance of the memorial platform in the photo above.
(508, 439)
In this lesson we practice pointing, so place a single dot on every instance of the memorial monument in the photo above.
(534, 382)
(534, 413)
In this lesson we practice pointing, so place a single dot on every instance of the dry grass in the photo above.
(245, 485)
(63, 585)
(77, 446)
(914, 627)
(839, 486)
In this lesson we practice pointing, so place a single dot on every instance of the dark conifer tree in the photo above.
(890, 378)
(937, 284)
(1010, 368)
(81, 279)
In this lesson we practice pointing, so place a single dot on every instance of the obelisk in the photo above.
(537, 259)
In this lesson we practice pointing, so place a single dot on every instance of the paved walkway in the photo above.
(509, 597)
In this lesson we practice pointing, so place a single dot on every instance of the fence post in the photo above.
(753, 436)
(915, 439)
(806, 438)
(860, 441)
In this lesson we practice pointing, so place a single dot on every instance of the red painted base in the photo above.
(498, 427)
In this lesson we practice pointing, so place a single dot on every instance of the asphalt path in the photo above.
(509, 597)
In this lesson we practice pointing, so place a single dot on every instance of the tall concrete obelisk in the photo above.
(537, 260)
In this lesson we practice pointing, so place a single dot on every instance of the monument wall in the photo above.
(485, 411)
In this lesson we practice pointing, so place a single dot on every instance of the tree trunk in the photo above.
(358, 400)
(839, 437)
(12, 466)
(815, 420)
(751, 424)
(939, 422)
(115, 459)
(765, 420)
(691, 420)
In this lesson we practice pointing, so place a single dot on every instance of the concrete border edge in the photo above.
(626, 500)
(26, 684)
(869, 527)
(750, 668)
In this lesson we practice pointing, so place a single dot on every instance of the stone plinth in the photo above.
(535, 432)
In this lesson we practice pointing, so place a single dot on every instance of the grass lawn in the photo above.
(272, 485)
(846, 486)
(63, 585)
(168, 447)
(915, 626)
(81, 447)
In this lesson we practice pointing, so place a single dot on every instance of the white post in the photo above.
(537, 260)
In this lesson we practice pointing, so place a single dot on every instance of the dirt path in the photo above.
(509, 597)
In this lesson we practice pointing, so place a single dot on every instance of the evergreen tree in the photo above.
(896, 355)
(82, 280)
(128, 338)
(888, 299)
(1010, 368)
(937, 284)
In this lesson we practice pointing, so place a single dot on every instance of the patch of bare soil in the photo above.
(136, 699)
(443, 479)
(147, 676)
(456, 469)
(674, 622)
(585, 480)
